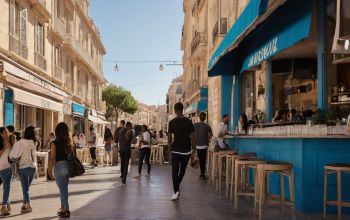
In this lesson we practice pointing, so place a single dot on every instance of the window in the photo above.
(39, 39)
(58, 55)
(18, 29)
(345, 19)
(248, 94)
(57, 8)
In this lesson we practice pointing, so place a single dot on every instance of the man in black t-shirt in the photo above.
(181, 139)
(125, 138)
(116, 136)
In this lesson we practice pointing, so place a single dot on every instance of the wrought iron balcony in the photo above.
(40, 60)
(200, 39)
(20, 48)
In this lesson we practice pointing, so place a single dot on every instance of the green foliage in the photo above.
(118, 100)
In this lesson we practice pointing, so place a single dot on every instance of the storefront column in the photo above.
(269, 103)
(237, 99)
(226, 95)
(321, 56)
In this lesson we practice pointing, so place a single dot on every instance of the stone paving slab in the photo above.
(99, 195)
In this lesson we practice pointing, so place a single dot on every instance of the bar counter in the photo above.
(309, 155)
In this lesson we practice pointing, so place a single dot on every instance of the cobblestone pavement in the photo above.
(99, 195)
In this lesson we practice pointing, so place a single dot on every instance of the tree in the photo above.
(118, 100)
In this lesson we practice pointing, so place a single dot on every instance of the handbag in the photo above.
(75, 168)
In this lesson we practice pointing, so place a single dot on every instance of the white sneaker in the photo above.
(138, 176)
(175, 196)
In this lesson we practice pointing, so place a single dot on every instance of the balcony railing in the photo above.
(58, 73)
(199, 39)
(215, 32)
(40, 60)
(18, 47)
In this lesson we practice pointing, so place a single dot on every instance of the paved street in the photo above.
(99, 195)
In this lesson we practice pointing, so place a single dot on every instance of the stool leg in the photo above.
(220, 174)
(232, 180)
(227, 177)
(257, 190)
(236, 184)
(291, 192)
(261, 194)
(325, 194)
(282, 193)
(339, 194)
(267, 187)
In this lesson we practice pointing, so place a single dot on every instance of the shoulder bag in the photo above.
(75, 168)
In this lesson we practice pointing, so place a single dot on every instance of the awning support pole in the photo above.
(321, 57)
(269, 95)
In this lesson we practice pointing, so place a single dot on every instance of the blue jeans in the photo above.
(6, 177)
(62, 179)
(26, 176)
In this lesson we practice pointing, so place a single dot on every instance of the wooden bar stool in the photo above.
(338, 169)
(242, 177)
(230, 160)
(157, 155)
(262, 182)
(209, 163)
(232, 175)
(221, 168)
(214, 167)
(100, 155)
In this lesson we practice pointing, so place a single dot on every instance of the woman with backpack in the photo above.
(25, 150)
(60, 150)
(145, 150)
(5, 170)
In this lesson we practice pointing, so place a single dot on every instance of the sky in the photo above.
(140, 30)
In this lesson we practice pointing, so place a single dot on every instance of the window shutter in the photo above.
(23, 26)
(12, 27)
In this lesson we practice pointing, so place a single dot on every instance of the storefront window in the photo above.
(344, 19)
(248, 94)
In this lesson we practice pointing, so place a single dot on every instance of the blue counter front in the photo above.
(308, 156)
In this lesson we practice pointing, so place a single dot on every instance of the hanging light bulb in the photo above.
(161, 67)
(116, 68)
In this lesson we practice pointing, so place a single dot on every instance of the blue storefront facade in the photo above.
(284, 59)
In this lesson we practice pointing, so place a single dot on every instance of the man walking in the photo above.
(180, 139)
(125, 137)
(203, 134)
(116, 134)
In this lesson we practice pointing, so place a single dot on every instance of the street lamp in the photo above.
(116, 68)
(161, 67)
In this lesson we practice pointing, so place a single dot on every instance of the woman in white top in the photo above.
(145, 150)
(25, 150)
(5, 170)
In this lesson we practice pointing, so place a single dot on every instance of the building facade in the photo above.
(51, 65)
(174, 95)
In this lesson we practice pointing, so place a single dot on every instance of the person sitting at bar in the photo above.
(221, 131)
(293, 116)
(280, 117)
(243, 125)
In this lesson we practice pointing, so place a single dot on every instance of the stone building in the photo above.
(174, 95)
(51, 57)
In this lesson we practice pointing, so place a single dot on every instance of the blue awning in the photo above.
(200, 106)
(252, 11)
(286, 26)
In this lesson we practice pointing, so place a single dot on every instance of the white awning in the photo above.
(25, 98)
(97, 120)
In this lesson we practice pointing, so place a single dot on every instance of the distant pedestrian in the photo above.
(125, 139)
(82, 140)
(108, 140)
(49, 140)
(5, 170)
(203, 135)
(75, 138)
(145, 150)
(92, 142)
(180, 139)
(116, 136)
(61, 147)
(25, 150)
(221, 131)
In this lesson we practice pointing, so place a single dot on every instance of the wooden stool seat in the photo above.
(337, 168)
(242, 168)
(221, 160)
(284, 169)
